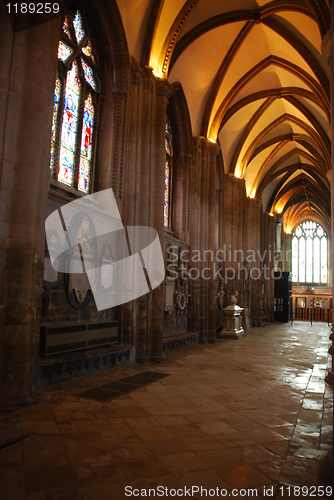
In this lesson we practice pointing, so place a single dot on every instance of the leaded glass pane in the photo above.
(316, 259)
(66, 28)
(294, 259)
(86, 145)
(69, 128)
(324, 276)
(168, 175)
(64, 51)
(166, 200)
(167, 146)
(302, 259)
(88, 51)
(309, 260)
(54, 119)
(309, 253)
(299, 231)
(77, 24)
(88, 72)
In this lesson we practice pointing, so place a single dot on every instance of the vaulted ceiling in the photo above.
(256, 82)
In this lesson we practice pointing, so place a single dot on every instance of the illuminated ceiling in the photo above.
(256, 82)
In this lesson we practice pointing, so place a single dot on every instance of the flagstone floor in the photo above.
(248, 414)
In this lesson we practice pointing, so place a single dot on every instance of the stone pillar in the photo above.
(252, 251)
(181, 191)
(232, 235)
(195, 199)
(268, 255)
(143, 199)
(27, 86)
(211, 241)
(206, 240)
(326, 470)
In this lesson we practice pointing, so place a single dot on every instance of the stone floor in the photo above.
(248, 414)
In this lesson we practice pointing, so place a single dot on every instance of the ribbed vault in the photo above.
(256, 82)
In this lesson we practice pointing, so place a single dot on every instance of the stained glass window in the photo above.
(64, 51)
(77, 23)
(75, 100)
(88, 51)
(86, 145)
(66, 27)
(309, 254)
(69, 127)
(88, 72)
(168, 175)
(54, 119)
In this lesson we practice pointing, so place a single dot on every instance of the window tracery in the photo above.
(310, 254)
(75, 107)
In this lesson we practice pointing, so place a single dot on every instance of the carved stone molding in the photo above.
(326, 47)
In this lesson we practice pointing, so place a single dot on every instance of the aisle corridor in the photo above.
(251, 413)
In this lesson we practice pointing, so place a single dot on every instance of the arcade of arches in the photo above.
(209, 119)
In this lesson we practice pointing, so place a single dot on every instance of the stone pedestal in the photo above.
(232, 321)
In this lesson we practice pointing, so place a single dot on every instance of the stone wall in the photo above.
(212, 217)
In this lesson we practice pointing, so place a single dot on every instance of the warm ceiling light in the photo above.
(252, 195)
(158, 74)
(212, 140)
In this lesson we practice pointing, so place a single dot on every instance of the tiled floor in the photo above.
(252, 413)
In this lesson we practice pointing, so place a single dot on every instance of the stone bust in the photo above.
(234, 299)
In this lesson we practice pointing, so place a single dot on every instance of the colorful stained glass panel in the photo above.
(167, 188)
(69, 127)
(54, 119)
(84, 175)
(88, 72)
(66, 160)
(86, 145)
(87, 129)
(88, 51)
(64, 51)
(77, 24)
(66, 28)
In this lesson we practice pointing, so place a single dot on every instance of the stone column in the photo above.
(26, 105)
(268, 255)
(211, 241)
(143, 195)
(326, 469)
(195, 181)
(252, 250)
